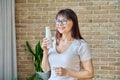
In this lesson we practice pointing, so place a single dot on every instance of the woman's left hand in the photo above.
(60, 71)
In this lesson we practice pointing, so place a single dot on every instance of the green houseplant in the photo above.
(37, 55)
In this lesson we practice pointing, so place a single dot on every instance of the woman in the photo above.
(69, 49)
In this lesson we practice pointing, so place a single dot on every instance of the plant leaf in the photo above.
(39, 51)
(37, 56)
(29, 48)
(38, 48)
(32, 77)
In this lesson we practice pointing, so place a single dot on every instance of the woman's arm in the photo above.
(45, 63)
(86, 73)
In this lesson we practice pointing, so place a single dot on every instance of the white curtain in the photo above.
(8, 68)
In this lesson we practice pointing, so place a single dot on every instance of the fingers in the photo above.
(44, 43)
(45, 40)
(58, 71)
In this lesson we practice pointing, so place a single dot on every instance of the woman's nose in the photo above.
(60, 24)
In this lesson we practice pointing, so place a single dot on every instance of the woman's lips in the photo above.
(61, 28)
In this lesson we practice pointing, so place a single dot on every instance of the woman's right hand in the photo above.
(44, 45)
(45, 63)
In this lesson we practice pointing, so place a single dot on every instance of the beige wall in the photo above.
(99, 22)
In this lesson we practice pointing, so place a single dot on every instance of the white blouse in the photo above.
(77, 51)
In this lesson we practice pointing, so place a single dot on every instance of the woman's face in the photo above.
(63, 25)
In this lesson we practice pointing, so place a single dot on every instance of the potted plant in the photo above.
(37, 55)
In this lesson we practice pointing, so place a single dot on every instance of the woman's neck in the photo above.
(66, 37)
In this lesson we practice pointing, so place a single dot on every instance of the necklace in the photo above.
(63, 45)
(70, 39)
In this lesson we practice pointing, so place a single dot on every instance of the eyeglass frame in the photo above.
(63, 21)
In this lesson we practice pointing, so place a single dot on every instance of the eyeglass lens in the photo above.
(64, 21)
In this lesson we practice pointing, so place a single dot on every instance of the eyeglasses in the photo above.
(64, 21)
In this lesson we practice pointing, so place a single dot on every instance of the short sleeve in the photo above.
(84, 52)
